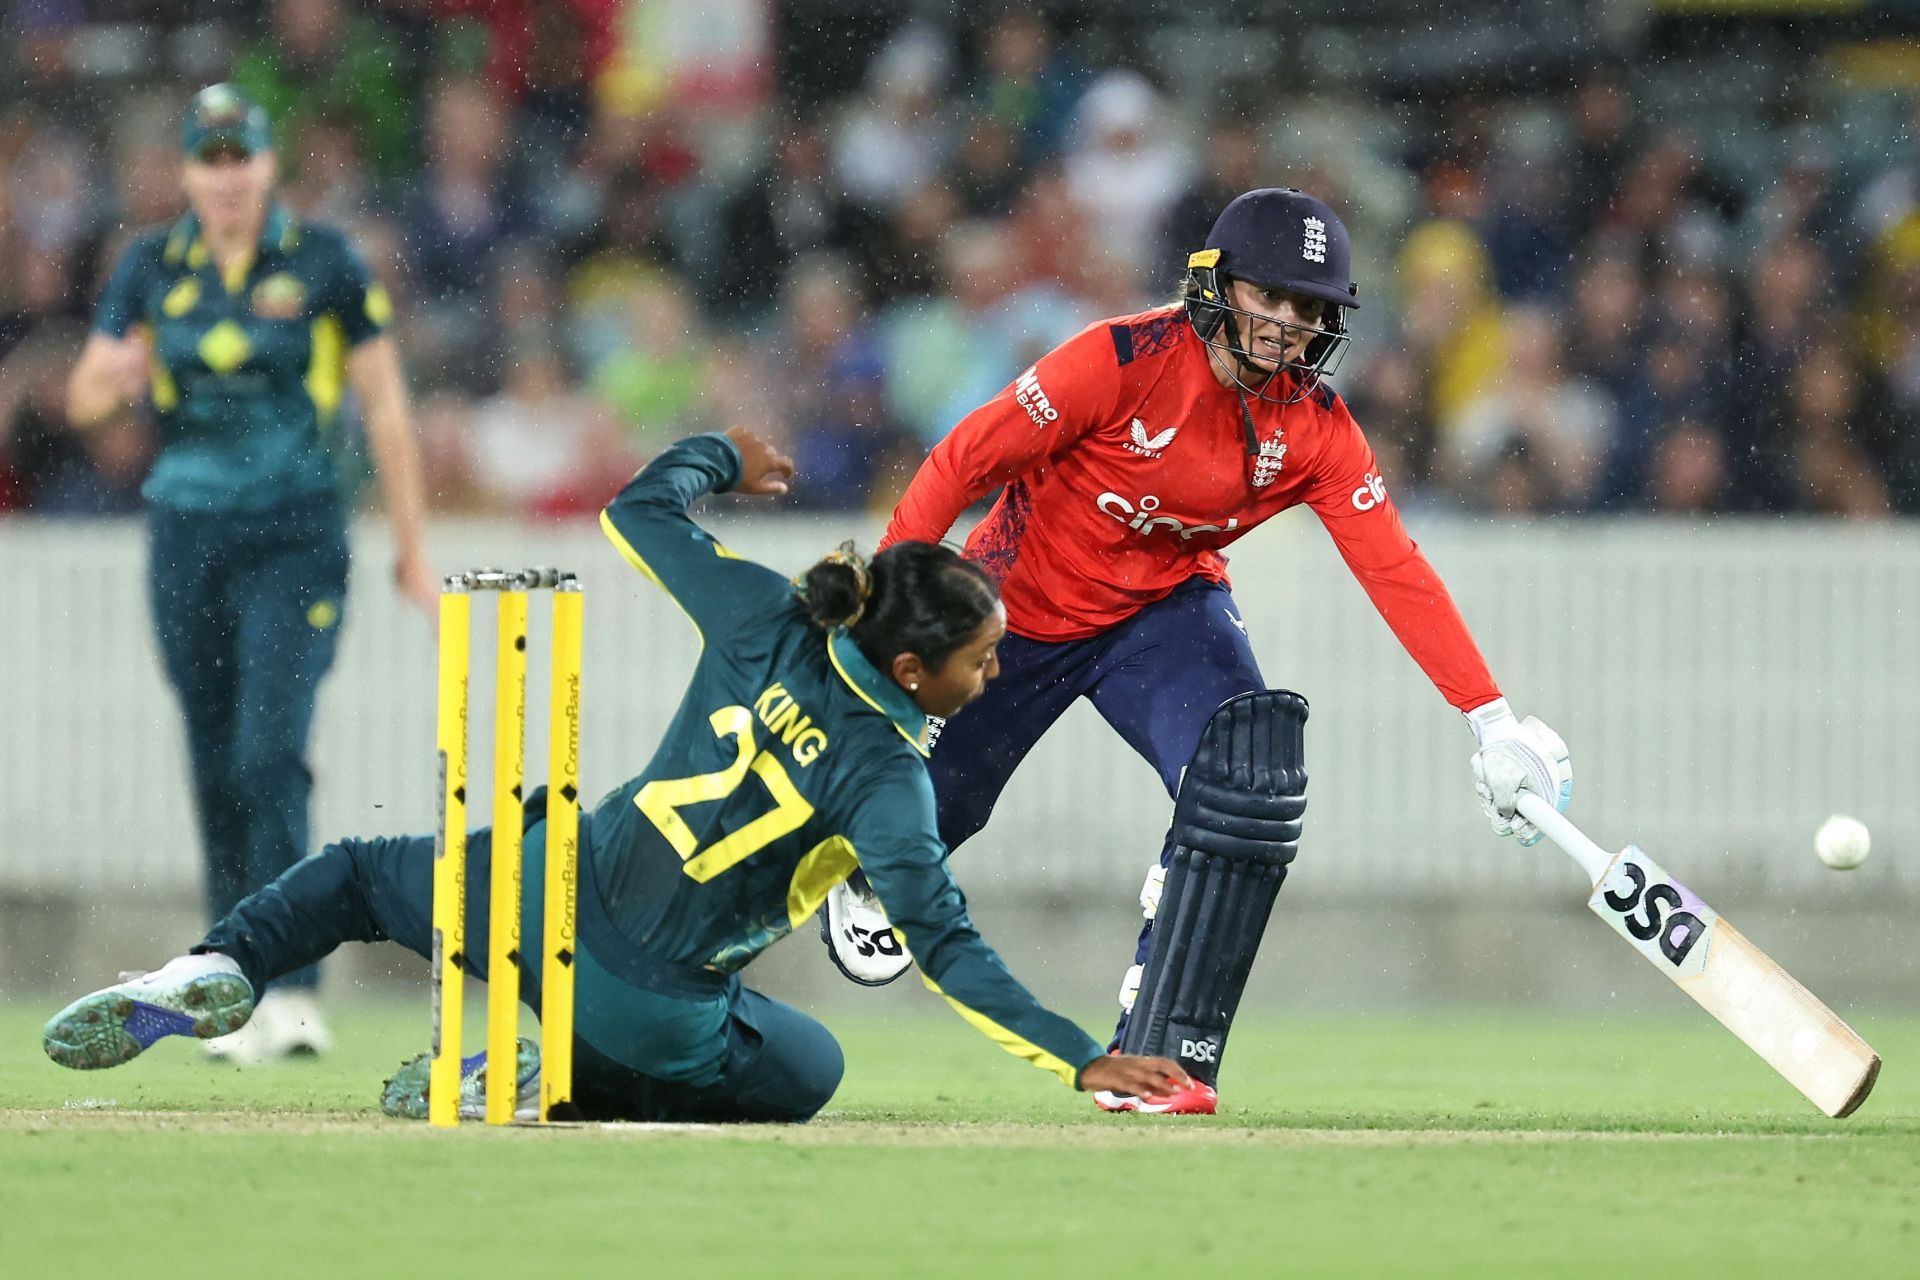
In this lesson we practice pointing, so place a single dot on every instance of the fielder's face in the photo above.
(228, 188)
(964, 675)
(1279, 324)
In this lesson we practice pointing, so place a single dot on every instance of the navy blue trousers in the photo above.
(247, 610)
(705, 1049)
(1156, 678)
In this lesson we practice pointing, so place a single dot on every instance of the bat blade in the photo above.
(1724, 973)
(1736, 982)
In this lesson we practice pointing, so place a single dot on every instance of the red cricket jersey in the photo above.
(1126, 470)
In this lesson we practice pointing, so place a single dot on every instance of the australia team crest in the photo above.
(279, 297)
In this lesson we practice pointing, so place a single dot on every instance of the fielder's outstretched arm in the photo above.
(648, 522)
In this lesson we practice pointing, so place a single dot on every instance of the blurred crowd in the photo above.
(1567, 305)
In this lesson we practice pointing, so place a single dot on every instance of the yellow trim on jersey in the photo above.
(181, 298)
(919, 743)
(234, 274)
(1006, 1039)
(166, 395)
(327, 367)
(634, 558)
(824, 866)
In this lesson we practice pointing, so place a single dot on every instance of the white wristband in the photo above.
(1484, 719)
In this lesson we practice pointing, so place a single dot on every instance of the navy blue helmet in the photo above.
(1277, 238)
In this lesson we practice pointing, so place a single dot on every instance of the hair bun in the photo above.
(837, 588)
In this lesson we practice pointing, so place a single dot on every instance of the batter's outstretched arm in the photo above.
(1353, 502)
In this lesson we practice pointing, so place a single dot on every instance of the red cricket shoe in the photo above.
(1196, 1099)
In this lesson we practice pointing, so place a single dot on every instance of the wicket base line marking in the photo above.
(99, 1114)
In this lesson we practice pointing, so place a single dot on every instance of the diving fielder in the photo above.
(795, 756)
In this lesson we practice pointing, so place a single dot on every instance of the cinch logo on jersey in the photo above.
(780, 713)
(1315, 247)
(1370, 494)
(1028, 395)
(1149, 446)
(1143, 519)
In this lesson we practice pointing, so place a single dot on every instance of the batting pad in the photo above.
(1236, 826)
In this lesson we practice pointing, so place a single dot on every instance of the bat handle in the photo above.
(1572, 841)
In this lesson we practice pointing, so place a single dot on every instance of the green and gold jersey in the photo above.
(790, 761)
(248, 369)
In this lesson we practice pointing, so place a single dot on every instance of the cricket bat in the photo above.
(1713, 962)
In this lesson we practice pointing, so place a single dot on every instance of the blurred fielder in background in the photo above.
(1128, 458)
(243, 326)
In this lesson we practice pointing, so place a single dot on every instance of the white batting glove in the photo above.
(860, 939)
(1515, 756)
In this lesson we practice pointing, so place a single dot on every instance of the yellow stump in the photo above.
(563, 851)
(503, 928)
(450, 855)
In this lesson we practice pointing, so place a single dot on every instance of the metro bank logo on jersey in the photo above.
(1028, 395)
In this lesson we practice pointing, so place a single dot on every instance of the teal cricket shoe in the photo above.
(404, 1095)
(200, 996)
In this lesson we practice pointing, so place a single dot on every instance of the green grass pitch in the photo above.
(1479, 1145)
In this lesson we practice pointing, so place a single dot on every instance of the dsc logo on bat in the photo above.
(1656, 913)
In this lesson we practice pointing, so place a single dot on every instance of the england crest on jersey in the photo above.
(1266, 464)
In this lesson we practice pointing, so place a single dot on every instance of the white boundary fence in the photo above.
(1723, 687)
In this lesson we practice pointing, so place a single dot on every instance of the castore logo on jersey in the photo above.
(1149, 446)
(1143, 520)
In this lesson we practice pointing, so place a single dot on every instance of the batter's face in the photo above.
(1279, 325)
(962, 677)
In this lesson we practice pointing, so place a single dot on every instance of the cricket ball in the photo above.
(1842, 842)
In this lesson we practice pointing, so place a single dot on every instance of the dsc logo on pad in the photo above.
(1199, 1050)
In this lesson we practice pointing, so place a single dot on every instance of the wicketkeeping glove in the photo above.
(1515, 756)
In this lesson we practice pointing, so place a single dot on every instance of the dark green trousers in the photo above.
(247, 610)
(651, 1041)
